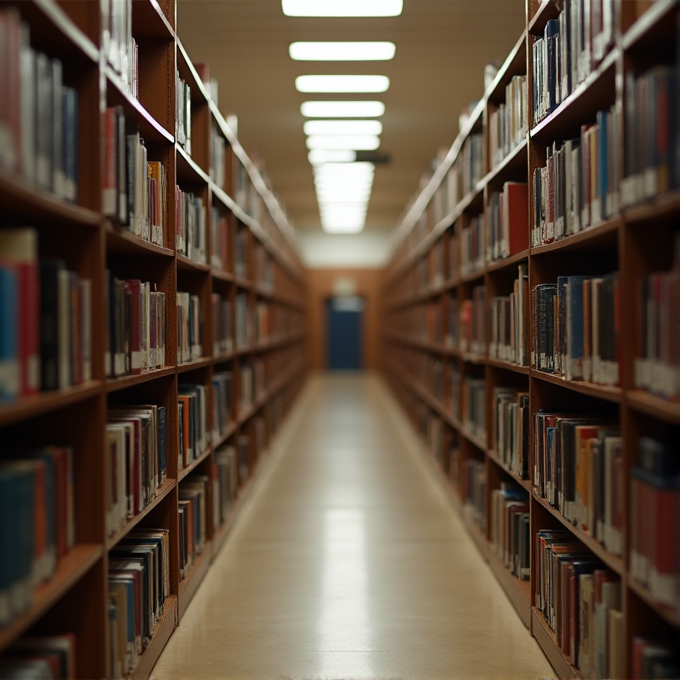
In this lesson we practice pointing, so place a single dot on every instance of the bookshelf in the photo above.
(221, 243)
(476, 353)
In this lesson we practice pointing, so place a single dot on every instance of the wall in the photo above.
(368, 249)
(320, 287)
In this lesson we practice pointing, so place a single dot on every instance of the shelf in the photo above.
(243, 282)
(507, 366)
(645, 26)
(189, 172)
(472, 358)
(150, 22)
(614, 562)
(43, 402)
(121, 241)
(161, 494)
(227, 356)
(222, 275)
(507, 262)
(189, 586)
(194, 365)
(162, 632)
(477, 535)
(594, 94)
(70, 569)
(524, 483)
(186, 264)
(230, 430)
(117, 94)
(186, 471)
(669, 614)
(473, 438)
(613, 394)
(514, 64)
(515, 161)
(666, 205)
(518, 592)
(654, 406)
(603, 234)
(189, 73)
(473, 276)
(547, 642)
(19, 198)
(122, 383)
(547, 10)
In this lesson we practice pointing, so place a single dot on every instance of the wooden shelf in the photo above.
(473, 438)
(477, 535)
(20, 198)
(654, 406)
(162, 633)
(507, 262)
(524, 483)
(229, 431)
(186, 264)
(547, 10)
(507, 366)
(546, 640)
(613, 394)
(194, 365)
(669, 614)
(44, 402)
(189, 586)
(222, 275)
(189, 172)
(186, 471)
(514, 64)
(666, 205)
(161, 495)
(518, 592)
(149, 22)
(614, 562)
(660, 11)
(70, 569)
(472, 358)
(122, 241)
(515, 161)
(603, 234)
(122, 383)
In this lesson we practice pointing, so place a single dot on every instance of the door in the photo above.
(344, 325)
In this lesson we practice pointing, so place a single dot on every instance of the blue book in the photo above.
(575, 329)
(552, 30)
(9, 331)
(603, 175)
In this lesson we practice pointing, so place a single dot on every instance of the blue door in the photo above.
(343, 333)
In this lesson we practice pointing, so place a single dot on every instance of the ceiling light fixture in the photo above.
(342, 8)
(354, 142)
(344, 83)
(342, 51)
(343, 127)
(320, 156)
(356, 109)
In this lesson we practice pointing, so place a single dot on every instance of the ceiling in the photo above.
(442, 48)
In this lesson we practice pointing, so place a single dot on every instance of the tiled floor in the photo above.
(348, 561)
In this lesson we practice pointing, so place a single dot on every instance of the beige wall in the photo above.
(368, 284)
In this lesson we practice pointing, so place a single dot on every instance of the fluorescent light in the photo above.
(342, 8)
(343, 127)
(342, 228)
(355, 142)
(324, 83)
(318, 109)
(320, 156)
(342, 51)
(344, 169)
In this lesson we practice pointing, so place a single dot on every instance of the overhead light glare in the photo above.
(343, 127)
(354, 142)
(344, 83)
(321, 156)
(342, 51)
(346, 109)
(342, 8)
(342, 228)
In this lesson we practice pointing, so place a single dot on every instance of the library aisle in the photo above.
(348, 561)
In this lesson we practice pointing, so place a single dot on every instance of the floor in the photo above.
(348, 561)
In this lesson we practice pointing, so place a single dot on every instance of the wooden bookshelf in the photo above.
(423, 357)
(76, 597)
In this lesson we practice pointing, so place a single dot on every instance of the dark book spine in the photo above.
(49, 323)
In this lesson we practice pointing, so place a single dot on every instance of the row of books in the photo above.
(470, 164)
(193, 520)
(657, 368)
(134, 187)
(473, 250)
(577, 327)
(472, 323)
(241, 252)
(473, 407)
(508, 322)
(46, 657)
(37, 521)
(225, 483)
(223, 341)
(508, 220)
(194, 433)
(578, 469)
(571, 47)
(264, 267)
(251, 382)
(139, 584)
(245, 321)
(39, 120)
(122, 53)
(46, 320)
(136, 459)
(218, 157)
(191, 226)
(579, 185)
(135, 329)
(510, 529)
(219, 233)
(508, 124)
(222, 414)
(474, 474)
(655, 520)
(652, 140)
(511, 428)
(189, 328)
(182, 113)
(654, 658)
(581, 602)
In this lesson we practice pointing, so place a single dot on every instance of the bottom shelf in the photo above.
(164, 629)
(189, 585)
(546, 640)
(518, 592)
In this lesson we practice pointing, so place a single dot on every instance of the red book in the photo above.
(515, 218)
(133, 286)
